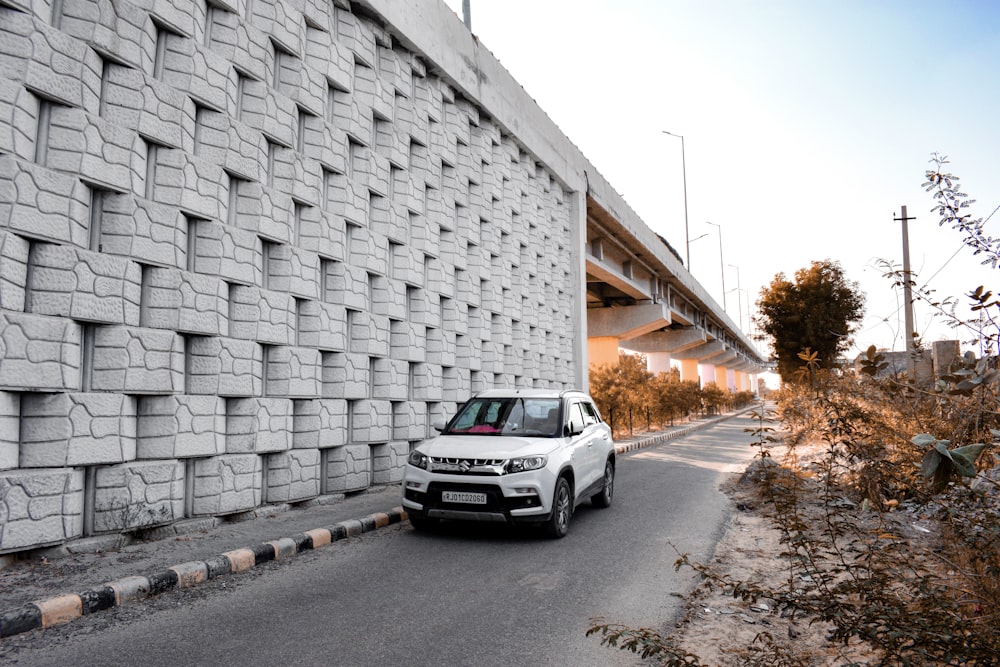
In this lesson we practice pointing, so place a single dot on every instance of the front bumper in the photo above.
(519, 497)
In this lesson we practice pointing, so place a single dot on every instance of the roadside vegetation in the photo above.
(818, 311)
(633, 399)
(890, 531)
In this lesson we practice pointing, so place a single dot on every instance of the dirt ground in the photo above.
(717, 624)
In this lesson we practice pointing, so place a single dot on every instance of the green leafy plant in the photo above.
(873, 364)
(940, 463)
(974, 374)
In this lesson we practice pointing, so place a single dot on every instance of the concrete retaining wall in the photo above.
(251, 249)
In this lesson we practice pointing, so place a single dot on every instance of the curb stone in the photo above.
(64, 608)
(61, 609)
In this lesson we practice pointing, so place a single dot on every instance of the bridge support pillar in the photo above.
(689, 370)
(731, 379)
(658, 362)
(602, 350)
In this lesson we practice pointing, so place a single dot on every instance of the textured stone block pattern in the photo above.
(78, 429)
(40, 507)
(10, 429)
(227, 484)
(293, 475)
(246, 256)
(138, 495)
(171, 427)
(348, 468)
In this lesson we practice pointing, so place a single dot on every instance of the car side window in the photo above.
(576, 416)
(589, 413)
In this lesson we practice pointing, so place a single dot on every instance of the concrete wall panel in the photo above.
(258, 425)
(39, 353)
(227, 484)
(40, 507)
(349, 469)
(77, 429)
(174, 427)
(293, 476)
(10, 429)
(138, 495)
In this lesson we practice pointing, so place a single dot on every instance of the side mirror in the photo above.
(439, 425)
(575, 426)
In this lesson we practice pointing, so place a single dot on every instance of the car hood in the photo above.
(486, 446)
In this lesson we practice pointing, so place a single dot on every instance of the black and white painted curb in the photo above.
(64, 608)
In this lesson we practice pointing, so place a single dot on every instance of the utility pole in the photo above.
(907, 294)
(467, 13)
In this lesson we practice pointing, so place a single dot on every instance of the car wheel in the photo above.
(562, 509)
(420, 522)
(607, 492)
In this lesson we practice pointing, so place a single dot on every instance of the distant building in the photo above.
(928, 364)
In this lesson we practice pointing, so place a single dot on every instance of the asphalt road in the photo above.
(465, 595)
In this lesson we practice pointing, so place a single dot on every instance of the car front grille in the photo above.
(459, 466)
(496, 502)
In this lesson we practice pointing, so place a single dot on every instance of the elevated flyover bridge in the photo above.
(641, 298)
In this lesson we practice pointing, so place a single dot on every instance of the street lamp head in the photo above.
(698, 237)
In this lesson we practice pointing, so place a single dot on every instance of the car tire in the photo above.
(606, 494)
(562, 509)
(420, 522)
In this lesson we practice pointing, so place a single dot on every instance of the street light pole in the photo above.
(687, 234)
(467, 13)
(739, 301)
(722, 265)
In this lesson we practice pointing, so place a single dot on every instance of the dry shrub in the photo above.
(913, 601)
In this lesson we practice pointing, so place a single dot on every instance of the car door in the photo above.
(589, 451)
(575, 444)
(599, 434)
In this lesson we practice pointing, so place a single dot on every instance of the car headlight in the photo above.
(524, 463)
(417, 459)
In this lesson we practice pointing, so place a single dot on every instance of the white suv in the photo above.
(528, 455)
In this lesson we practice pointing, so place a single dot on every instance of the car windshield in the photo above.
(513, 415)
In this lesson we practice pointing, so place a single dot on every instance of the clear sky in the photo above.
(807, 125)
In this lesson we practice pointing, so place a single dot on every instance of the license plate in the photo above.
(465, 497)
